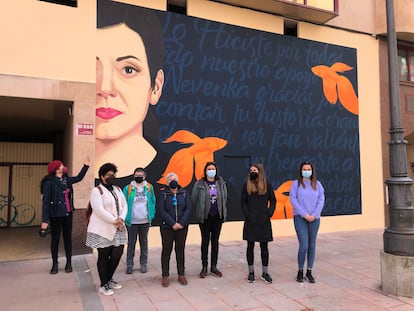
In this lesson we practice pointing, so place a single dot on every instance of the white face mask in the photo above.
(211, 173)
(306, 174)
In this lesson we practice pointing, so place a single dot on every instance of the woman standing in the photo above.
(174, 206)
(106, 229)
(258, 205)
(209, 196)
(307, 197)
(140, 197)
(57, 208)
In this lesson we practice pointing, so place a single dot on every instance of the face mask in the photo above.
(173, 184)
(139, 179)
(64, 170)
(306, 174)
(211, 173)
(110, 180)
(254, 175)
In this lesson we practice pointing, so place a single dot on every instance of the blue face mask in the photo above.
(211, 173)
(306, 174)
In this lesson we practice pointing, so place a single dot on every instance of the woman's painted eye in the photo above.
(129, 70)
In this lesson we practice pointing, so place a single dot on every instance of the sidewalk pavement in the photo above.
(347, 272)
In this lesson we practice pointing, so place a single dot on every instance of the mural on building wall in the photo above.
(206, 91)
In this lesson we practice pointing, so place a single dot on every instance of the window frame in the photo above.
(409, 53)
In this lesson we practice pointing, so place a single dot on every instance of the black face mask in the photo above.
(110, 180)
(254, 175)
(139, 179)
(173, 184)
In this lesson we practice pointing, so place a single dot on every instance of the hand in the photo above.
(87, 161)
(310, 218)
(177, 226)
(44, 225)
(119, 223)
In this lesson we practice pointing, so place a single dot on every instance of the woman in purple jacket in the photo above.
(307, 197)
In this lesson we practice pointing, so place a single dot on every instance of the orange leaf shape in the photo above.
(341, 67)
(329, 80)
(347, 96)
(329, 90)
(183, 136)
(284, 209)
(190, 161)
(181, 163)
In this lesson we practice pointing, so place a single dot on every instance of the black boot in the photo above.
(68, 267)
(309, 276)
(299, 277)
(54, 269)
(203, 272)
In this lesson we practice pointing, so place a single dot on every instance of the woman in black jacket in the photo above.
(57, 208)
(258, 205)
(174, 207)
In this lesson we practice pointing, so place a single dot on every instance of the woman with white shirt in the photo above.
(106, 229)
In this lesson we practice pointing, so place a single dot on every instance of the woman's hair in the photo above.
(143, 21)
(105, 168)
(170, 175)
(312, 178)
(260, 184)
(205, 170)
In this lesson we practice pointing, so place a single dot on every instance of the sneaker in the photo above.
(250, 278)
(114, 284)
(129, 270)
(309, 276)
(144, 269)
(266, 277)
(106, 290)
(299, 277)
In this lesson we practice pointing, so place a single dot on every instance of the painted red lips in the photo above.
(107, 113)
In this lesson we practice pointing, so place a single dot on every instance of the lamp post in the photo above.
(399, 236)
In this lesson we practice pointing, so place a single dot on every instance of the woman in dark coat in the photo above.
(57, 208)
(174, 208)
(258, 205)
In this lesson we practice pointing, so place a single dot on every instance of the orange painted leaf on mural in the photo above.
(284, 209)
(188, 162)
(347, 95)
(336, 86)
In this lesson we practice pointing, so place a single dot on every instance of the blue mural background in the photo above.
(256, 90)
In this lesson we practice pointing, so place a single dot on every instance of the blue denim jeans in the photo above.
(306, 232)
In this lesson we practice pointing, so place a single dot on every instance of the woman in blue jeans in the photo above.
(307, 197)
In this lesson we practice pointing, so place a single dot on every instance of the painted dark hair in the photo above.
(143, 21)
(312, 178)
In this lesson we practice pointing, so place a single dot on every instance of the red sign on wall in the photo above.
(85, 129)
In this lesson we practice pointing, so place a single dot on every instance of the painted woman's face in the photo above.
(123, 83)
